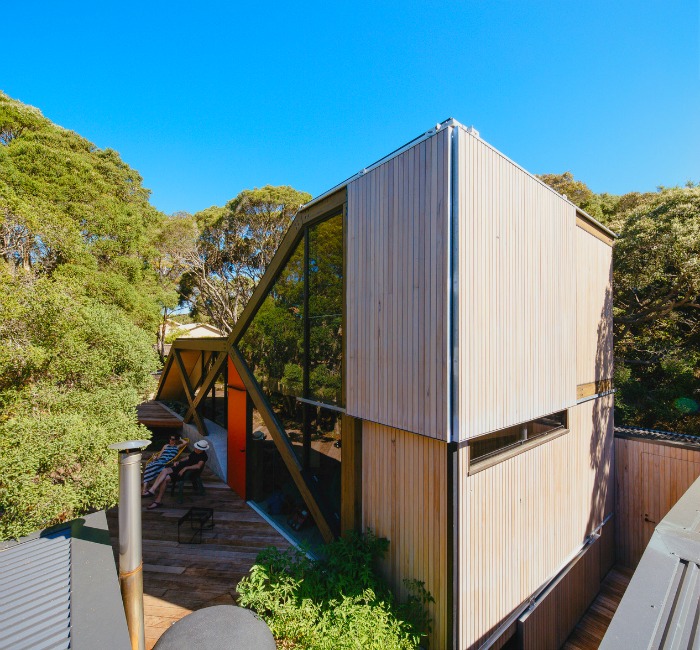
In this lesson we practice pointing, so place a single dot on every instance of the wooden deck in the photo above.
(181, 578)
(154, 415)
(591, 629)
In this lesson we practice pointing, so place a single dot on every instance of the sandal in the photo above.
(154, 505)
(147, 493)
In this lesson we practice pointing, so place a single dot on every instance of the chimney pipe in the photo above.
(130, 558)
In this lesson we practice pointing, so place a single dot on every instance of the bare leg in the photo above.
(161, 489)
(161, 479)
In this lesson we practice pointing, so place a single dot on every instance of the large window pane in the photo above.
(293, 346)
(272, 345)
(326, 310)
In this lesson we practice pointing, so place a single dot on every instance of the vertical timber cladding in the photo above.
(594, 323)
(650, 478)
(405, 500)
(515, 330)
(397, 284)
(520, 520)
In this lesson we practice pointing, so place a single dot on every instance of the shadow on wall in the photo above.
(602, 438)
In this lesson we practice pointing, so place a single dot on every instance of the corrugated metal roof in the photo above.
(658, 436)
(35, 593)
(661, 607)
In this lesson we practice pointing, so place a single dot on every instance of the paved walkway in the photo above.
(181, 578)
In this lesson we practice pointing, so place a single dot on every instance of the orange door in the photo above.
(237, 431)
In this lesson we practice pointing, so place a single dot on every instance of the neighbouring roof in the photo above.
(661, 606)
(59, 589)
(35, 592)
(655, 435)
(189, 327)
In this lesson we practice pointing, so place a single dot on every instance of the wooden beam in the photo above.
(164, 374)
(351, 475)
(206, 383)
(593, 388)
(189, 393)
(305, 217)
(284, 446)
(210, 344)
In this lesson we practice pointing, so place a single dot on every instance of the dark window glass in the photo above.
(272, 489)
(501, 441)
(325, 319)
(272, 345)
(293, 346)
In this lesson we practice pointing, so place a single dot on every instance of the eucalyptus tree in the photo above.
(234, 248)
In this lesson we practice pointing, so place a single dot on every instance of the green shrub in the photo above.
(336, 602)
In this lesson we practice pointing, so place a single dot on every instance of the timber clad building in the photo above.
(429, 355)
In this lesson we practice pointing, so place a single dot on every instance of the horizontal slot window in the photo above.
(509, 439)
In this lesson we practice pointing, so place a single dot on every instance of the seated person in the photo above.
(194, 462)
(159, 461)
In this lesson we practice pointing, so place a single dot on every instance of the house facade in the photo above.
(429, 355)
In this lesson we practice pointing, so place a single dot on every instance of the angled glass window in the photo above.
(293, 346)
(272, 346)
(325, 319)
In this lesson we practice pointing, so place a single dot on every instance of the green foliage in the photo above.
(656, 300)
(71, 371)
(235, 247)
(174, 334)
(657, 311)
(78, 310)
(336, 602)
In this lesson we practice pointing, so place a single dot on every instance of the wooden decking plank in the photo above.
(154, 414)
(591, 629)
(181, 578)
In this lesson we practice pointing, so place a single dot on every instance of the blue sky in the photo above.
(211, 98)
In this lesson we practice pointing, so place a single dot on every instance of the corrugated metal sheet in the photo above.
(655, 434)
(661, 607)
(35, 593)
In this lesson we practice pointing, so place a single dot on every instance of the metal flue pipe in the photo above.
(130, 557)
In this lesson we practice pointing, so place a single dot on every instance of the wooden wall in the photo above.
(559, 609)
(171, 387)
(405, 500)
(650, 479)
(397, 283)
(520, 520)
(593, 309)
(516, 307)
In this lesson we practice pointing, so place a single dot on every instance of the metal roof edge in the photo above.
(583, 213)
(659, 608)
(412, 143)
(451, 122)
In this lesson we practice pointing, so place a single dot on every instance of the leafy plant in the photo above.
(336, 602)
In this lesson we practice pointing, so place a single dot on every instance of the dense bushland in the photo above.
(656, 300)
(79, 305)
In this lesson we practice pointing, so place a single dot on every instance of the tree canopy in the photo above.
(235, 247)
(79, 304)
(656, 300)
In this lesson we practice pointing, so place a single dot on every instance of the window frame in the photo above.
(498, 456)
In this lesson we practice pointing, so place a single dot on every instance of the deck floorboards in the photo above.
(591, 629)
(181, 578)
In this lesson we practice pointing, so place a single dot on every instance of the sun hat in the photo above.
(202, 445)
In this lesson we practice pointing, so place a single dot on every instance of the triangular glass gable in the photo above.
(293, 346)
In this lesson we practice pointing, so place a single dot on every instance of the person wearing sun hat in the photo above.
(194, 462)
(159, 461)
